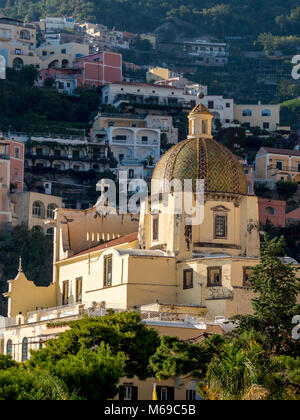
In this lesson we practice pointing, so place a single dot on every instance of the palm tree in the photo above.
(241, 365)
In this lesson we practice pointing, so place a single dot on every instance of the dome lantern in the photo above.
(200, 122)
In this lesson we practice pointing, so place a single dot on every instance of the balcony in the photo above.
(149, 142)
(284, 168)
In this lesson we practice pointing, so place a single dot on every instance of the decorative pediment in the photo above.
(222, 209)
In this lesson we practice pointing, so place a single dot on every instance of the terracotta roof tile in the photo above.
(289, 152)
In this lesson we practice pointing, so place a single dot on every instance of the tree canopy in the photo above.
(218, 18)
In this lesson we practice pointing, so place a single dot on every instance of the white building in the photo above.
(56, 24)
(133, 140)
(221, 108)
(141, 93)
(207, 53)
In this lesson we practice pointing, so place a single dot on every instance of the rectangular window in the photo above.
(65, 295)
(279, 165)
(247, 272)
(188, 279)
(155, 227)
(128, 393)
(298, 167)
(75, 154)
(165, 393)
(17, 153)
(220, 227)
(190, 395)
(266, 125)
(210, 104)
(108, 271)
(79, 290)
(144, 139)
(214, 276)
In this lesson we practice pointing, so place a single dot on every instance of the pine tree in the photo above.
(276, 288)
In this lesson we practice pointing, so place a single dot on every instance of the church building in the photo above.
(156, 263)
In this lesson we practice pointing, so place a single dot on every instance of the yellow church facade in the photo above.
(184, 278)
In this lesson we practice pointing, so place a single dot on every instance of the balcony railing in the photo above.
(285, 168)
(49, 156)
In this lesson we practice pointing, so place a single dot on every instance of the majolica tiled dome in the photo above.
(203, 158)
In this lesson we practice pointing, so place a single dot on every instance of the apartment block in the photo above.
(17, 43)
(146, 94)
(131, 140)
(206, 53)
(273, 165)
(266, 117)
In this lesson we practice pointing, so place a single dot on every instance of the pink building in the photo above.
(272, 211)
(5, 210)
(293, 216)
(12, 152)
(91, 70)
(100, 69)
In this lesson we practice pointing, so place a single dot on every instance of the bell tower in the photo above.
(200, 122)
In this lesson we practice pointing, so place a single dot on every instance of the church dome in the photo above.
(202, 157)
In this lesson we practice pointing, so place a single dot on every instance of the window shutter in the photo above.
(121, 393)
(170, 393)
(134, 393)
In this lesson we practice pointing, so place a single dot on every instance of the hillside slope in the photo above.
(218, 17)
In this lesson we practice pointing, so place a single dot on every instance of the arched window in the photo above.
(64, 64)
(9, 348)
(270, 211)
(38, 229)
(18, 63)
(191, 391)
(247, 113)
(50, 210)
(38, 210)
(25, 34)
(24, 349)
(266, 113)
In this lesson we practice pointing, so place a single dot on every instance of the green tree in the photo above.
(123, 332)
(6, 362)
(175, 357)
(286, 189)
(20, 383)
(276, 289)
(91, 374)
(244, 370)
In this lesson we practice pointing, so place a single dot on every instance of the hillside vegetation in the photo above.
(217, 17)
